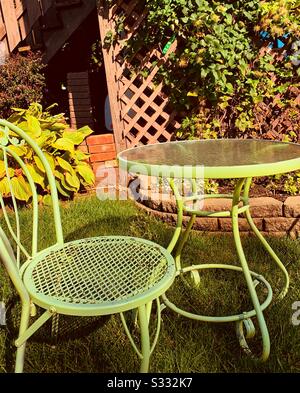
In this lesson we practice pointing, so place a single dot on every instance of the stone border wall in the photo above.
(271, 216)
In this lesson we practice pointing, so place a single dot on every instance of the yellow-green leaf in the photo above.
(21, 188)
(81, 156)
(72, 180)
(41, 141)
(85, 171)
(34, 127)
(39, 164)
(3, 172)
(75, 137)
(4, 187)
(47, 200)
(50, 160)
(223, 105)
(64, 144)
(63, 182)
(66, 185)
(192, 94)
(20, 151)
(24, 126)
(78, 136)
(59, 175)
(86, 131)
(36, 175)
(61, 190)
(64, 165)
(2, 169)
(58, 126)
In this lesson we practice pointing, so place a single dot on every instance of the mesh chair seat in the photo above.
(101, 275)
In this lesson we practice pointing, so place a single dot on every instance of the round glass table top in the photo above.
(218, 158)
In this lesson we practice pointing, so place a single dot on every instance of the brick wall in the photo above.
(271, 216)
(102, 150)
(79, 99)
(101, 147)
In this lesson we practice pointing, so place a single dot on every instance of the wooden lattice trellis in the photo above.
(141, 112)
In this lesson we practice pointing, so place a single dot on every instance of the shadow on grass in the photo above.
(110, 226)
(70, 328)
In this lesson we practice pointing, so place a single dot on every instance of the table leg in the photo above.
(250, 284)
(263, 240)
(180, 236)
(241, 194)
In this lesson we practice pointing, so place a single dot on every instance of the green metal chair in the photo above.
(88, 277)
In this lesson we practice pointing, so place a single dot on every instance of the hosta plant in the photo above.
(59, 144)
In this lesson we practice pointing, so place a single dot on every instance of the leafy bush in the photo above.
(21, 81)
(227, 78)
(226, 73)
(236, 69)
(60, 146)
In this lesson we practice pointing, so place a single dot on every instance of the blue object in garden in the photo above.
(277, 43)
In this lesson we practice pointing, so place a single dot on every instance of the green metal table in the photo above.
(219, 159)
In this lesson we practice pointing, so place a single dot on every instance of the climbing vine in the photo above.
(236, 69)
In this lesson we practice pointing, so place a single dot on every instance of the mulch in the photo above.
(257, 190)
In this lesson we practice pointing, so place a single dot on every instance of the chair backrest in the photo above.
(14, 173)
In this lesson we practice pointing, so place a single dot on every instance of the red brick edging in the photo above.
(102, 150)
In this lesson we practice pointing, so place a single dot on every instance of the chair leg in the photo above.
(54, 329)
(25, 315)
(145, 339)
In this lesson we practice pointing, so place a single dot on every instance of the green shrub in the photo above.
(227, 77)
(60, 146)
(224, 78)
(21, 82)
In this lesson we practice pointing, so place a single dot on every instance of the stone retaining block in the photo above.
(225, 224)
(265, 207)
(271, 216)
(285, 224)
(291, 207)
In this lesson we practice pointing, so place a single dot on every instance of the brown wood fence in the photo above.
(13, 23)
(17, 18)
(140, 110)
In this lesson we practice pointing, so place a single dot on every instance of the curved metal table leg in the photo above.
(264, 241)
(250, 284)
(243, 321)
(180, 236)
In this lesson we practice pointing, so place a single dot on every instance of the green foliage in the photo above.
(96, 56)
(60, 146)
(224, 79)
(22, 82)
(223, 76)
(278, 17)
(211, 186)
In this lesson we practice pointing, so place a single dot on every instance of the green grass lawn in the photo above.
(101, 345)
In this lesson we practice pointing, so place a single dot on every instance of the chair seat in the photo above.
(98, 276)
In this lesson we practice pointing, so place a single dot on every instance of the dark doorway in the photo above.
(75, 56)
